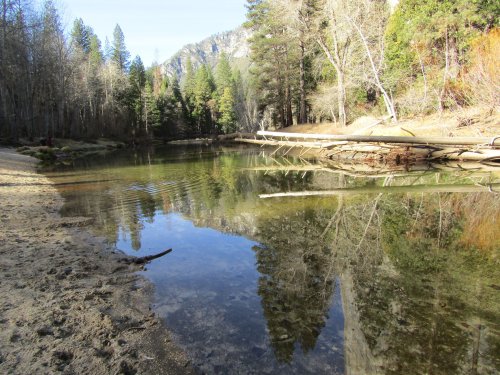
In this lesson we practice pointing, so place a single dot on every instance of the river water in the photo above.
(283, 265)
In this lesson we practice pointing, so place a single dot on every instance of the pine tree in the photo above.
(275, 57)
(223, 74)
(119, 54)
(188, 93)
(79, 36)
(173, 108)
(137, 79)
(225, 95)
(203, 111)
(96, 57)
(227, 118)
(151, 113)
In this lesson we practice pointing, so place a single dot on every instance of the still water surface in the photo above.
(393, 273)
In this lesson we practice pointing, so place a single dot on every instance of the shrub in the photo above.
(483, 75)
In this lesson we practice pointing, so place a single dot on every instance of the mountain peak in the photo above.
(234, 43)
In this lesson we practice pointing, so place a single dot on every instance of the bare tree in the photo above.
(368, 19)
(333, 35)
(351, 36)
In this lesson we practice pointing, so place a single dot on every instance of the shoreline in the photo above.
(69, 302)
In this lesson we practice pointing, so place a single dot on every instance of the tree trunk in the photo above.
(336, 63)
(302, 104)
(288, 106)
(389, 105)
(341, 98)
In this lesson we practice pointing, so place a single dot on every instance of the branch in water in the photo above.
(146, 259)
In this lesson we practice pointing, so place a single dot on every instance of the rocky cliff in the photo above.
(234, 43)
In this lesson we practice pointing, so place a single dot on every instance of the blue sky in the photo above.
(156, 29)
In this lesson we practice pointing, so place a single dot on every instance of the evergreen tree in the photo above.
(174, 112)
(223, 74)
(175, 88)
(203, 111)
(276, 59)
(119, 54)
(225, 95)
(188, 91)
(137, 79)
(227, 118)
(151, 114)
(96, 57)
(80, 37)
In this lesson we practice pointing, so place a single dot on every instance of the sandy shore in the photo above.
(69, 303)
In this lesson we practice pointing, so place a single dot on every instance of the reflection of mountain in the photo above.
(426, 303)
(418, 272)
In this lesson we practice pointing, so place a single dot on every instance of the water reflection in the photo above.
(297, 280)
(394, 273)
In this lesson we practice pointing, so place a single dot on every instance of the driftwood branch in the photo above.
(146, 259)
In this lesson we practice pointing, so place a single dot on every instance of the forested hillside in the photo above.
(311, 60)
(338, 59)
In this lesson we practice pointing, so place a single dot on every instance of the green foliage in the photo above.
(134, 99)
(223, 75)
(203, 107)
(421, 34)
(275, 54)
(119, 54)
(227, 118)
(96, 57)
(137, 74)
(80, 35)
(152, 114)
(66, 85)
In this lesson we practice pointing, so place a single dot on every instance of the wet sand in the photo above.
(69, 303)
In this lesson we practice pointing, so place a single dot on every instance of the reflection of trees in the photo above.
(296, 283)
(424, 298)
(424, 267)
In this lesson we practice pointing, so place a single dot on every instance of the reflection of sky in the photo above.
(204, 249)
(207, 292)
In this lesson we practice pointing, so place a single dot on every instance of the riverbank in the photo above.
(66, 150)
(469, 122)
(69, 302)
(471, 137)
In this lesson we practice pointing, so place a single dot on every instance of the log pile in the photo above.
(393, 149)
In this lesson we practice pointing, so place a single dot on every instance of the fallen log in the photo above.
(273, 142)
(473, 155)
(452, 141)
(449, 188)
(233, 136)
(378, 170)
(146, 259)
